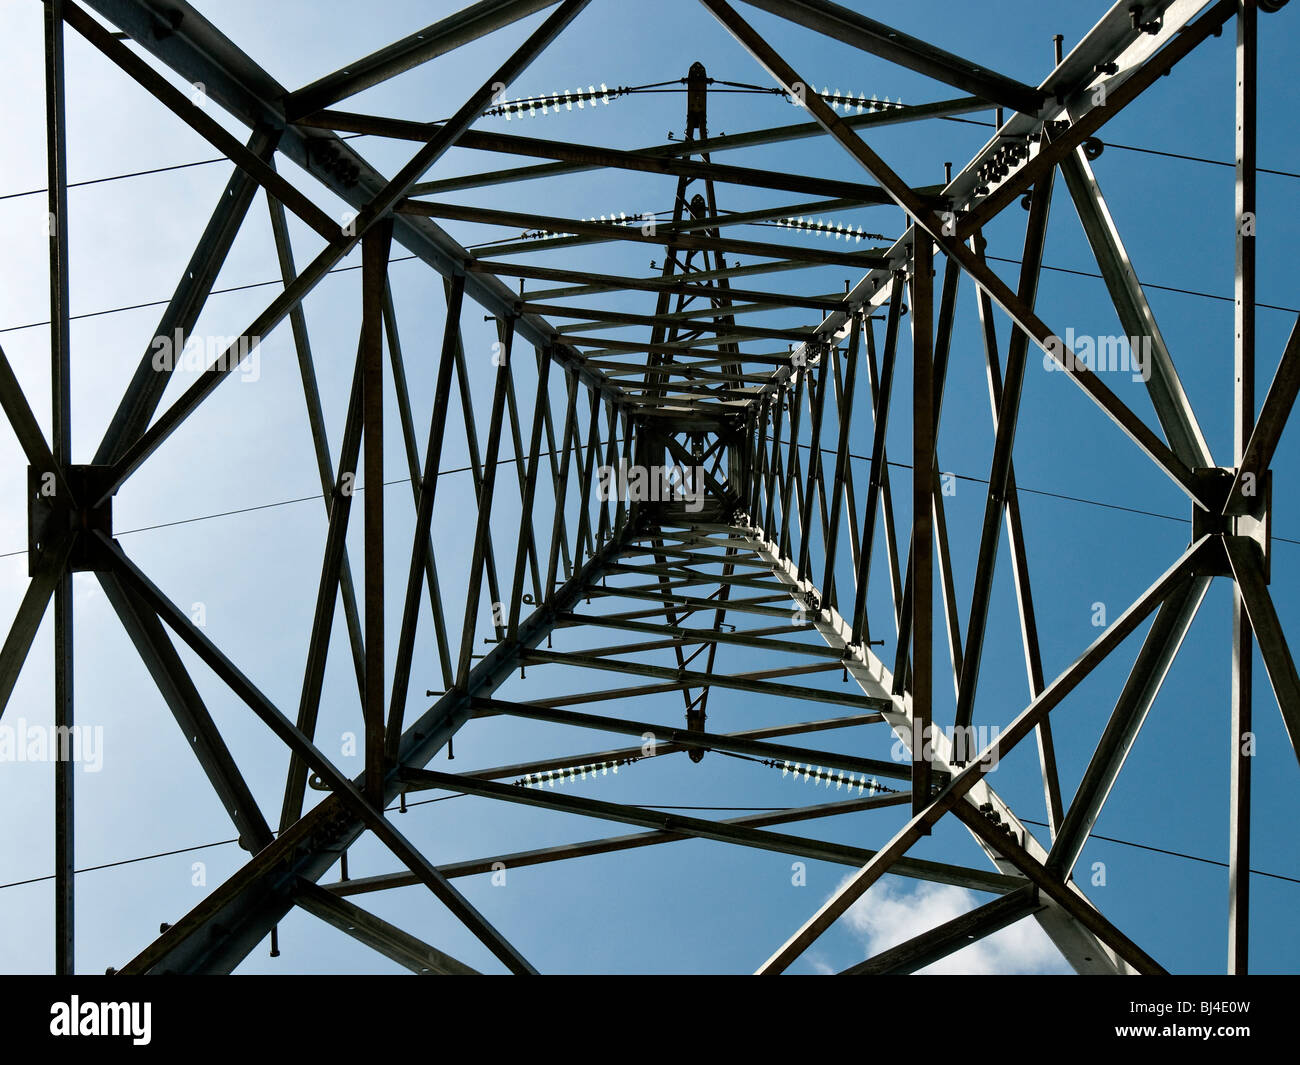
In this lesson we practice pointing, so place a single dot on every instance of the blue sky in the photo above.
(693, 906)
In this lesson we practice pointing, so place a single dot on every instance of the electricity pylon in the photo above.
(754, 545)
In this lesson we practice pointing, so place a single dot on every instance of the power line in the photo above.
(865, 458)
(1063, 270)
(119, 177)
(196, 847)
(647, 805)
(289, 502)
(1152, 284)
(547, 454)
(1031, 491)
(1198, 159)
(396, 481)
(751, 88)
(124, 861)
(1174, 854)
(214, 292)
(404, 258)
(408, 258)
(145, 173)
(1136, 148)
(506, 240)
(390, 809)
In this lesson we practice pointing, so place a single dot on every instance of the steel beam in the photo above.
(447, 34)
(881, 424)
(220, 931)
(427, 493)
(915, 868)
(413, 466)
(31, 611)
(634, 234)
(377, 207)
(1247, 566)
(699, 680)
(896, 115)
(1180, 45)
(636, 815)
(149, 383)
(482, 530)
(374, 277)
(352, 796)
(1243, 423)
(318, 640)
(1005, 424)
(197, 119)
(695, 738)
(1273, 415)
(676, 284)
(61, 446)
(849, 27)
(951, 936)
(319, 435)
(606, 158)
(389, 940)
(1063, 894)
(1172, 406)
(186, 705)
(922, 569)
(907, 198)
(1149, 670)
(966, 780)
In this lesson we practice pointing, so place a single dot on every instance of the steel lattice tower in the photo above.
(760, 545)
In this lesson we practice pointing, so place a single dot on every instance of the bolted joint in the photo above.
(1250, 517)
(52, 516)
(695, 723)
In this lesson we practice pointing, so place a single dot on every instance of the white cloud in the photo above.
(890, 913)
